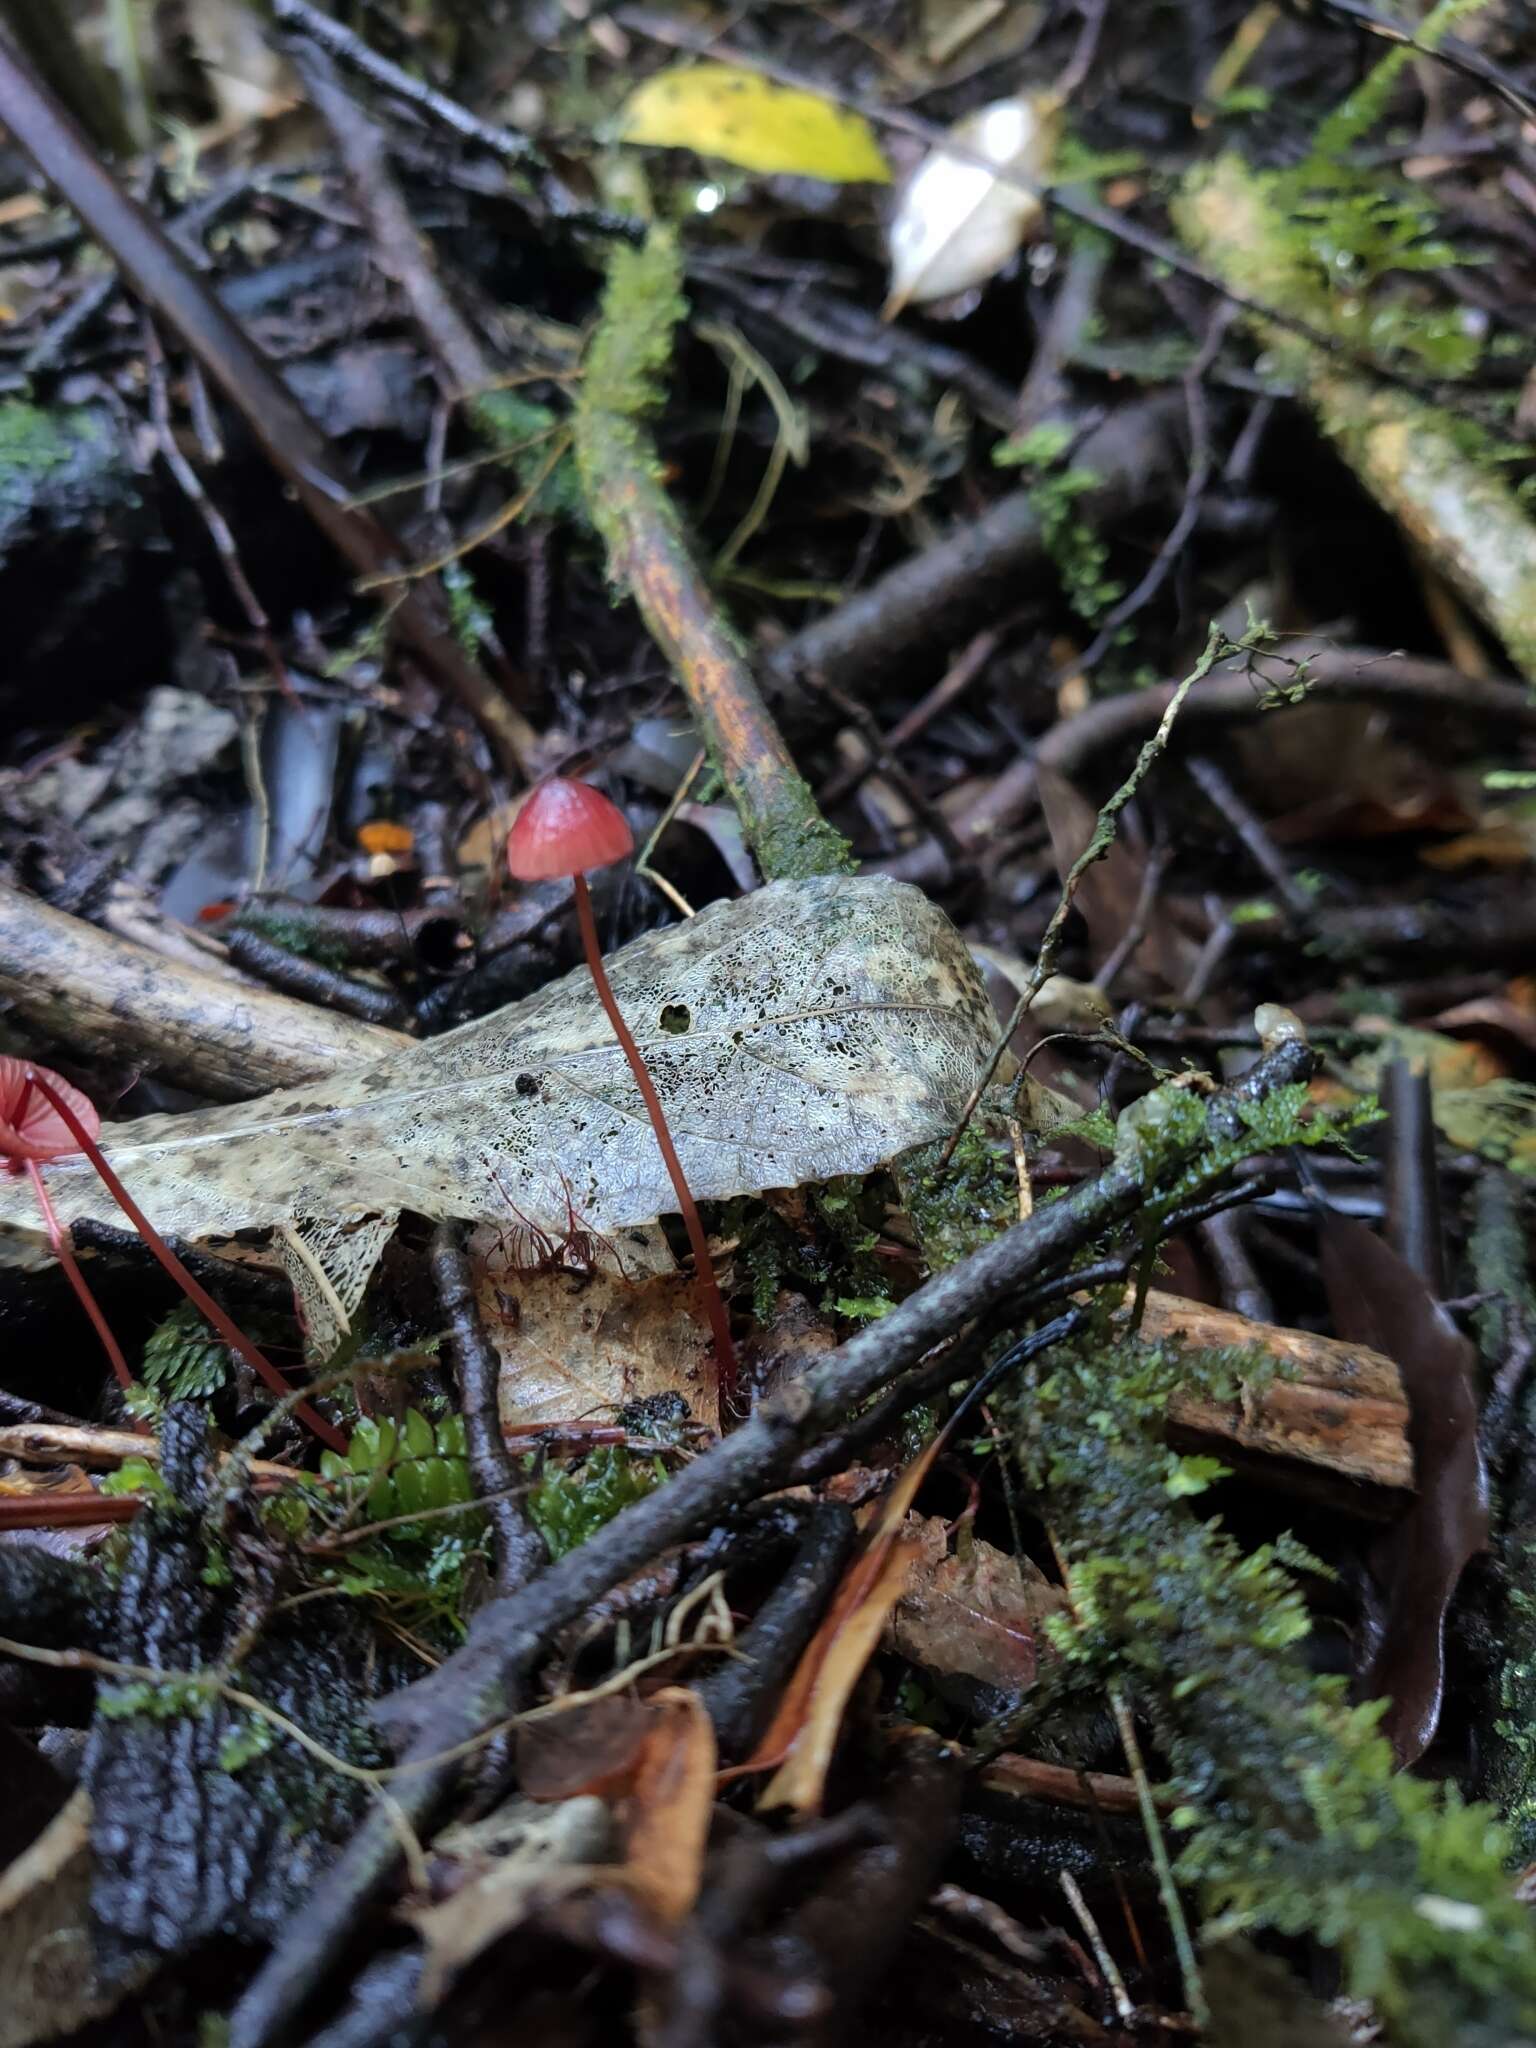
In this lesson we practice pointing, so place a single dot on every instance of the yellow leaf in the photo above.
(724, 111)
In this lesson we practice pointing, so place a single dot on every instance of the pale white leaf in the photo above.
(956, 223)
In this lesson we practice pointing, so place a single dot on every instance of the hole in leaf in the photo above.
(676, 1018)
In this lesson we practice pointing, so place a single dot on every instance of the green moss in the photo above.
(827, 1254)
(960, 1206)
(572, 1502)
(643, 301)
(417, 1570)
(792, 841)
(32, 439)
(1291, 1815)
(59, 469)
(183, 1359)
(525, 432)
(1080, 557)
(291, 934)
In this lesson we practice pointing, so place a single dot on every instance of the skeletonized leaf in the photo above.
(724, 111)
(956, 224)
(810, 1029)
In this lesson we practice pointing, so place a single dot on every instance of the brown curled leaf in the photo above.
(1378, 1299)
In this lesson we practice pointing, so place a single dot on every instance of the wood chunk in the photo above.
(1344, 1411)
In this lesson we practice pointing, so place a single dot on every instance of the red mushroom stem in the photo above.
(714, 1304)
(64, 1252)
(198, 1295)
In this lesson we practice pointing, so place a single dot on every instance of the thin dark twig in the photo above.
(953, 684)
(314, 981)
(1215, 785)
(1414, 1229)
(1080, 62)
(520, 1549)
(402, 250)
(191, 486)
(1098, 846)
(1450, 51)
(1201, 464)
(1153, 870)
(339, 42)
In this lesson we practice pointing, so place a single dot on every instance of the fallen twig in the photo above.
(520, 1549)
(100, 996)
(649, 555)
(325, 987)
(971, 577)
(403, 251)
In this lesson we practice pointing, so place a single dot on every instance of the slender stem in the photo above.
(198, 1295)
(714, 1305)
(64, 1252)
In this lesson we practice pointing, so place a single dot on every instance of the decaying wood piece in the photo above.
(49, 1443)
(1343, 1409)
(101, 997)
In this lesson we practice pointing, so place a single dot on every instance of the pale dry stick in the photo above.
(1173, 1905)
(1217, 648)
(675, 803)
(1109, 1969)
(99, 995)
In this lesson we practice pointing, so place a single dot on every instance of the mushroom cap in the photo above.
(30, 1126)
(566, 828)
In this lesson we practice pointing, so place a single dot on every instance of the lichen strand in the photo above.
(1291, 1813)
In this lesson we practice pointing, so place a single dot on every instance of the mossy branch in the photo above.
(1421, 465)
(649, 555)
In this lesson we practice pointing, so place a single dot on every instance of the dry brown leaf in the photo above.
(593, 1746)
(671, 1804)
(803, 1733)
(1377, 1298)
(811, 1029)
(573, 1342)
(977, 1614)
(800, 1780)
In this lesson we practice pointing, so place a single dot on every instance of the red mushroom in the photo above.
(569, 828)
(42, 1117)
